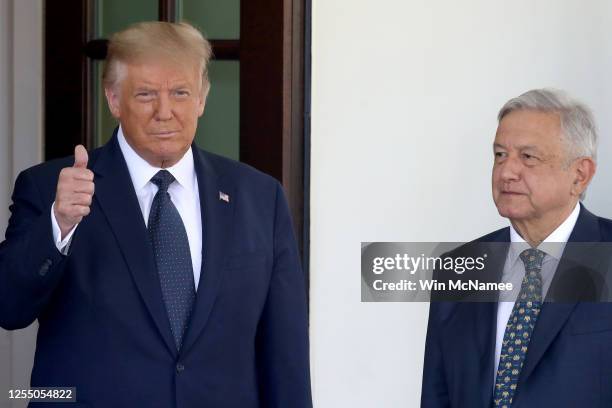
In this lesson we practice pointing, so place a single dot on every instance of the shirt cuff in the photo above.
(63, 245)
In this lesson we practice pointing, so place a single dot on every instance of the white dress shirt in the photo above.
(184, 193)
(514, 271)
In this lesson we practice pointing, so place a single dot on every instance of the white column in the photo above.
(21, 141)
(5, 170)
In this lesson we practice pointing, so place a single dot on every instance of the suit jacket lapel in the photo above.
(469, 338)
(554, 315)
(217, 220)
(117, 199)
(471, 331)
(487, 316)
(486, 329)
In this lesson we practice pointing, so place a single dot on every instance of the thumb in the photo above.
(80, 157)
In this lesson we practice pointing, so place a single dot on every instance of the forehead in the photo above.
(529, 127)
(157, 73)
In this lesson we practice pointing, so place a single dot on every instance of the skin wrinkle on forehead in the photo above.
(569, 149)
(182, 61)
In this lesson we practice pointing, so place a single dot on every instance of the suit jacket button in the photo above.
(179, 367)
(44, 268)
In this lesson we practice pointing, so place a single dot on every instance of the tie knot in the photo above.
(532, 258)
(163, 179)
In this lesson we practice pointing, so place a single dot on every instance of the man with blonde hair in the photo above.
(161, 275)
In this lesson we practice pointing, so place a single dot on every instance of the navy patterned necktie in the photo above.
(519, 329)
(172, 257)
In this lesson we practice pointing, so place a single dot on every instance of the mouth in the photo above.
(164, 134)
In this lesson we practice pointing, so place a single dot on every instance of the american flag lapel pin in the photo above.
(223, 197)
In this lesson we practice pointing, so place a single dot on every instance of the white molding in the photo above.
(6, 128)
(27, 84)
(21, 146)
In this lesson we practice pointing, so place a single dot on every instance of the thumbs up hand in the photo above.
(75, 189)
(80, 157)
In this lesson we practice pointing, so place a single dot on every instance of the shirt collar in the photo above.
(141, 171)
(553, 245)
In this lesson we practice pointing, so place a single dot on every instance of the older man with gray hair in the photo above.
(161, 275)
(530, 352)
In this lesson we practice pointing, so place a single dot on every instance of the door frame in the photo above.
(274, 60)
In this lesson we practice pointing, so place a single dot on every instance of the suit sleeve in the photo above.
(282, 338)
(434, 393)
(30, 264)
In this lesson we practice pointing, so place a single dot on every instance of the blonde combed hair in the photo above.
(178, 43)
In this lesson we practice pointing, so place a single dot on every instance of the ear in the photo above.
(584, 170)
(112, 98)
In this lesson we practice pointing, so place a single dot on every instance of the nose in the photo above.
(164, 108)
(510, 170)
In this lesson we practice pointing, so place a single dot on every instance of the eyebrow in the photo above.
(154, 88)
(144, 88)
(524, 147)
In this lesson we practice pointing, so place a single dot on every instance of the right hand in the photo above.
(75, 189)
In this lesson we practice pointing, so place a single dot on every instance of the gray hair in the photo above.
(577, 124)
(578, 129)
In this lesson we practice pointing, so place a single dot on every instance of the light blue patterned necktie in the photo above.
(519, 329)
(172, 257)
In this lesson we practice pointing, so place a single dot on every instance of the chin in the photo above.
(512, 213)
(170, 155)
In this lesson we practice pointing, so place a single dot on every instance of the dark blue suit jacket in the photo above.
(569, 360)
(103, 327)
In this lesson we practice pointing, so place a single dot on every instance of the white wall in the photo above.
(5, 164)
(21, 121)
(405, 95)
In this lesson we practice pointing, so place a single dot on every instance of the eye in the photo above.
(144, 95)
(182, 93)
(500, 155)
(528, 156)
